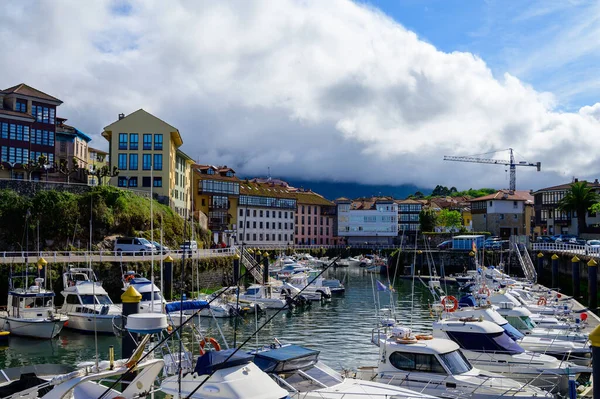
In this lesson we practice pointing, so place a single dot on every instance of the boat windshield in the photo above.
(517, 322)
(498, 342)
(316, 377)
(456, 362)
(528, 321)
(38, 302)
(252, 291)
(512, 331)
(147, 296)
(100, 300)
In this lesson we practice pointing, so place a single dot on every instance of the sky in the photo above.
(368, 91)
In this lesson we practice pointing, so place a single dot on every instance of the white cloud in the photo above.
(311, 89)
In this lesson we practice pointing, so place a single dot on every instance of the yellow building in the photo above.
(145, 149)
(97, 159)
(216, 195)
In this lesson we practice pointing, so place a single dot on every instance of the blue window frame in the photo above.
(51, 139)
(20, 132)
(158, 161)
(158, 141)
(122, 181)
(21, 106)
(13, 131)
(45, 137)
(158, 182)
(147, 161)
(133, 141)
(122, 141)
(4, 133)
(26, 134)
(147, 141)
(4, 154)
(123, 161)
(133, 161)
(133, 181)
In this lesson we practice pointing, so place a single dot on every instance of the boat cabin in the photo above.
(296, 368)
(29, 302)
(477, 336)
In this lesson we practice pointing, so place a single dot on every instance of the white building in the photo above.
(367, 221)
(266, 214)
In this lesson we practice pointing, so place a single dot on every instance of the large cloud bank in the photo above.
(326, 90)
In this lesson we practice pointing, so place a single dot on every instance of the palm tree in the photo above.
(579, 198)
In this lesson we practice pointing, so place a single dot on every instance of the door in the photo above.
(505, 232)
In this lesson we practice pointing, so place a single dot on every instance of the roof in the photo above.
(408, 201)
(567, 186)
(97, 151)
(311, 198)
(29, 91)
(216, 176)
(506, 195)
(175, 135)
(15, 113)
(70, 130)
(265, 190)
(184, 155)
(342, 199)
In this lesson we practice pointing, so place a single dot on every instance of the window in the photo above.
(146, 181)
(260, 225)
(158, 161)
(254, 237)
(50, 138)
(158, 182)
(253, 225)
(133, 161)
(122, 141)
(147, 141)
(158, 141)
(515, 216)
(21, 106)
(501, 216)
(279, 225)
(309, 208)
(285, 226)
(4, 134)
(515, 204)
(261, 213)
(267, 213)
(267, 225)
(122, 181)
(133, 141)
(13, 131)
(493, 342)
(51, 121)
(133, 182)
(123, 161)
(146, 161)
(407, 361)
(20, 132)
(45, 137)
(241, 224)
(260, 237)
(241, 212)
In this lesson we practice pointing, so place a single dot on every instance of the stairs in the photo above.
(255, 268)
(525, 262)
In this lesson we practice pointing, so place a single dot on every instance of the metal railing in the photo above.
(525, 262)
(110, 256)
(250, 264)
(566, 248)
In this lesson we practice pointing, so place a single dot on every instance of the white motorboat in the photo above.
(224, 304)
(87, 304)
(576, 352)
(152, 301)
(30, 310)
(268, 296)
(437, 367)
(334, 285)
(303, 375)
(312, 290)
(487, 346)
(354, 261)
(224, 375)
(341, 263)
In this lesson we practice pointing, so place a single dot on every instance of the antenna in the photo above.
(269, 172)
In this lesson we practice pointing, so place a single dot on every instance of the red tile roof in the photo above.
(567, 186)
(506, 195)
(29, 91)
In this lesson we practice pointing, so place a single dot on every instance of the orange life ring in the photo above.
(454, 301)
(485, 290)
(212, 341)
(542, 301)
(128, 278)
(408, 340)
(424, 337)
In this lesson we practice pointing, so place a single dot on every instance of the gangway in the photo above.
(525, 262)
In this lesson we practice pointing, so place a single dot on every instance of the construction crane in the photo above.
(511, 163)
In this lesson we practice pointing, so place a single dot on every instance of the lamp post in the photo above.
(46, 167)
(12, 166)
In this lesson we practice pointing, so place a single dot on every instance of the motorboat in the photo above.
(87, 304)
(353, 261)
(224, 304)
(152, 301)
(334, 285)
(341, 263)
(576, 352)
(311, 290)
(30, 309)
(437, 367)
(290, 270)
(487, 346)
(299, 371)
(267, 296)
(223, 374)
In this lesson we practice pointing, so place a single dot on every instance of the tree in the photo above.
(580, 198)
(104, 172)
(64, 168)
(418, 195)
(427, 219)
(449, 220)
(33, 166)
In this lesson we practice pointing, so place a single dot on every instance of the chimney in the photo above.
(121, 116)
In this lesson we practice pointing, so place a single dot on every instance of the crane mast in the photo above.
(511, 163)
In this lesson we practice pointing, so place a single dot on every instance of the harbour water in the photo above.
(340, 328)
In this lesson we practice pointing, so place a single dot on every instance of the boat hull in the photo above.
(43, 328)
(103, 324)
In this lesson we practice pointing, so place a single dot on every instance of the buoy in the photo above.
(584, 316)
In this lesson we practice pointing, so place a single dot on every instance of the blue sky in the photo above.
(551, 44)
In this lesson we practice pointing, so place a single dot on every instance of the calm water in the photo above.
(340, 329)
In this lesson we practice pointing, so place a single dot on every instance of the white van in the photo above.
(133, 244)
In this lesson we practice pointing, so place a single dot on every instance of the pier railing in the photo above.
(110, 256)
(566, 248)
(250, 264)
(525, 262)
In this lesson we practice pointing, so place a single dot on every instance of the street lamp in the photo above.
(12, 166)
(46, 167)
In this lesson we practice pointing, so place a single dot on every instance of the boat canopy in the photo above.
(186, 305)
(216, 360)
(498, 342)
(285, 359)
(140, 281)
(30, 294)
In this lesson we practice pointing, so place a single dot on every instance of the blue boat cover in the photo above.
(216, 360)
(467, 301)
(140, 281)
(512, 332)
(187, 305)
(286, 358)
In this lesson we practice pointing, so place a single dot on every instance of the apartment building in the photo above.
(216, 196)
(367, 220)
(315, 219)
(549, 220)
(266, 213)
(97, 159)
(503, 213)
(145, 149)
(27, 129)
(71, 148)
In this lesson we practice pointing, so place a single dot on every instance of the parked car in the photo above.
(189, 245)
(563, 237)
(163, 249)
(445, 245)
(133, 244)
(593, 243)
(494, 244)
(544, 239)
